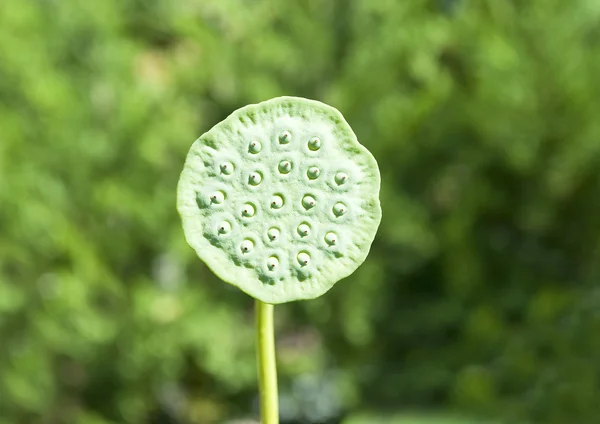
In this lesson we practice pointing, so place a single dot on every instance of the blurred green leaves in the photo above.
(372, 418)
(480, 293)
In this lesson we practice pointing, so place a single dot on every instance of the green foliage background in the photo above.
(481, 292)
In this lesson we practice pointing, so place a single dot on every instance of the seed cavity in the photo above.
(224, 227)
(285, 137)
(254, 178)
(339, 209)
(248, 210)
(217, 197)
(285, 166)
(308, 202)
(226, 168)
(254, 147)
(303, 258)
(273, 234)
(303, 229)
(314, 143)
(246, 246)
(313, 172)
(276, 202)
(272, 263)
(341, 178)
(331, 238)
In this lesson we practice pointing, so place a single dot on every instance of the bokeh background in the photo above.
(480, 301)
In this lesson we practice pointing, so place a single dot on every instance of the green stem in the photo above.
(267, 370)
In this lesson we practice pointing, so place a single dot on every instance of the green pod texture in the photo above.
(280, 199)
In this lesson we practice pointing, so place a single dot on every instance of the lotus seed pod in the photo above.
(294, 212)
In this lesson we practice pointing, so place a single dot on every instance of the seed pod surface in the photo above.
(280, 199)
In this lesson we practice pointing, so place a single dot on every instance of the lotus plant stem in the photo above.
(280, 200)
(267, 369)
